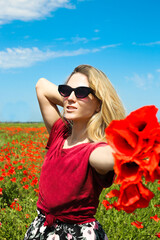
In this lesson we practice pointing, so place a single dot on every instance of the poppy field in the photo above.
(22, 150)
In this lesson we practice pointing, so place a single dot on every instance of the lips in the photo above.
(71, 107)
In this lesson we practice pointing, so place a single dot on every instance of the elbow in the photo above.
(40, 84)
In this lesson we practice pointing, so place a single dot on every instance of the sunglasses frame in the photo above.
(70, 89)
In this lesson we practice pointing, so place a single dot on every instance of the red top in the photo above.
(69, 187)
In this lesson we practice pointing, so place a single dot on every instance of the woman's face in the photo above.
(80, 109)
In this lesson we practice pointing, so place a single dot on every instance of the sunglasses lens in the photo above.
(64, 90)
(82, 92)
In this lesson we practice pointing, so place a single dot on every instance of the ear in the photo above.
(99, 106)
(98, 109)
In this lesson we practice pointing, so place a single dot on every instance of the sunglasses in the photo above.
(80, 92)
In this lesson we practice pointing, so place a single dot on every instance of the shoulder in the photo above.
(102, 159)
(61, 128)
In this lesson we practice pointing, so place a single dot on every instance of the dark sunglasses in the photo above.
(80, 92)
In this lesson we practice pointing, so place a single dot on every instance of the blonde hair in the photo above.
(111, 105)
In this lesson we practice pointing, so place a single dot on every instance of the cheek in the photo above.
(88, 108)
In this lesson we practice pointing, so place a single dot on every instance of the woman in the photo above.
(79, 163)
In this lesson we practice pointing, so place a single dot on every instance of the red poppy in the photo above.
(158, 235)
(25, 172)
(127, 169)
(136, 142)
(120, 138)
(11, 171)
(13, 179)
(1, 189)
(157, 205)
(16, 206)
(20, 167)
(24, 179)
(113, 193)
(152, 167)
(107, 204)
(137, 224)
(15, 162)
(26, 186)
(133, 196)
(36, 190)
(155, 218)
(130, 136)
(34, 181)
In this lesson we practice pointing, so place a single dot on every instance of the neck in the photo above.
(79, 133)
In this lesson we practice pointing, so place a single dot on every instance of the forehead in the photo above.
(77, 80)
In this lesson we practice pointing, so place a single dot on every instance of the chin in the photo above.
(69, 117)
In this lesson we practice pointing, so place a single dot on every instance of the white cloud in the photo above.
(112, 45)
(25, 57)
(26, 10)
(141, 81)
(147, 44)
(78, 39)
(158, 70)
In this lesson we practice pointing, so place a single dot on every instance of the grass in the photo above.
(22, 150)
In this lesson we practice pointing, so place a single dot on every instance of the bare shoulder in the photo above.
(102, 159)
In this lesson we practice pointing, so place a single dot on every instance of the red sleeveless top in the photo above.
(69, 187)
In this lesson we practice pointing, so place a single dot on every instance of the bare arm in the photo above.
(48, 98)
(102, 159)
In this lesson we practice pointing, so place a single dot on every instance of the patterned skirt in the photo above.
(64, 231)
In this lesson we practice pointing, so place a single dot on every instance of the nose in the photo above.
(72, 96)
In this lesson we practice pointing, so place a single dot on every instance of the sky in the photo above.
(49, 38)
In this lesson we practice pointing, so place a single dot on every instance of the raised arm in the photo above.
(48, 98)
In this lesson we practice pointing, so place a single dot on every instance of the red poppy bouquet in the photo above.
(136, 144)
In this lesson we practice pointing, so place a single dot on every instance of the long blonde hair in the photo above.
(111, 105)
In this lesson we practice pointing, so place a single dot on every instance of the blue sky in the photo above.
(49, 38)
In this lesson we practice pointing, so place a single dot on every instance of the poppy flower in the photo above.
(107, 204)
(136, 144)
(127, 169)
(133, 196)
(158, 235)
(155, 218)
(20, 167)
(36, 190)
(120, 138)
(25, 172)
(16, 206)
(157, 205)
(13, 179)
(1, 189)
(137, 224)
(113, 193)
(143, 120)
(131, 135)
(152, 168)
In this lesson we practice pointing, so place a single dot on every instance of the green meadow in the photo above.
(22, 150)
